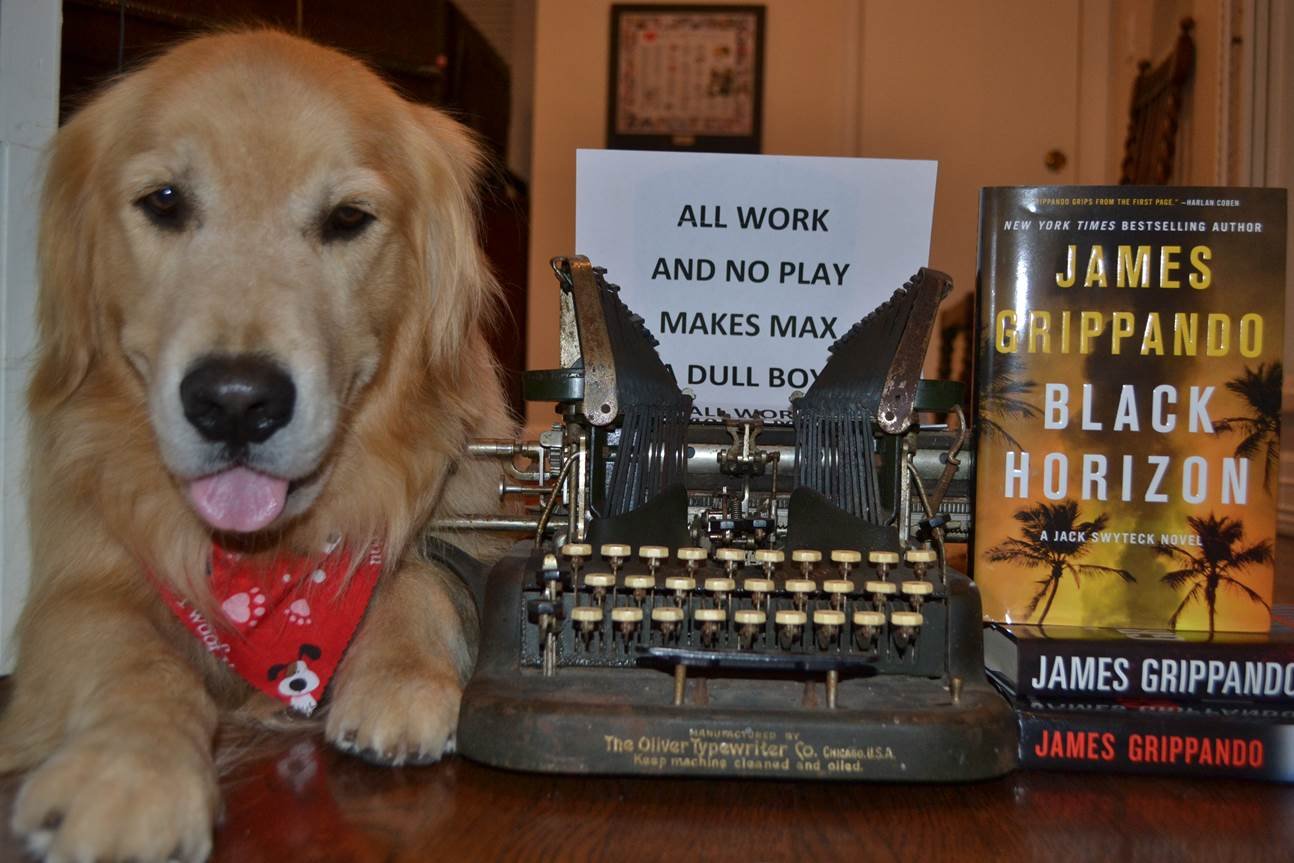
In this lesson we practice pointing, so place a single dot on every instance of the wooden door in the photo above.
(987, 88)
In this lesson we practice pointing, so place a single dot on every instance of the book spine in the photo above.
(1257, 673)
(1151, 742)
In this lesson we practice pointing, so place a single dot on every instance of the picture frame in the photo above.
(686, 77)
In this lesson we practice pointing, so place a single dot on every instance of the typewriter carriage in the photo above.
(741, 464)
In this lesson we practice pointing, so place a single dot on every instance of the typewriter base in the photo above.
(623, 721)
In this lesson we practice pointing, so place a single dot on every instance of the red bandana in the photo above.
(286, 625)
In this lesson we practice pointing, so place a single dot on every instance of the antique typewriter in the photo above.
(737, 599)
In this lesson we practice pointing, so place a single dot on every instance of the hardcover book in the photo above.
(1084, 663)
(1159, 738)
(1128, 392)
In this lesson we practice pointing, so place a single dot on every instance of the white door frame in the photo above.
(30, 32)
(1255, 135)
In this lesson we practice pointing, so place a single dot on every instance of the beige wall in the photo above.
(986, 87)
(810, 108)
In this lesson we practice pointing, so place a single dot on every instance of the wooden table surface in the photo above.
(299, 801)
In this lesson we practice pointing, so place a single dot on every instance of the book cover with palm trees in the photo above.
(1128, 395)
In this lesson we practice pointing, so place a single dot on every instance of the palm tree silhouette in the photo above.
(1002, 399)
(1215, 564)
(1261, 391)
(1066, 540)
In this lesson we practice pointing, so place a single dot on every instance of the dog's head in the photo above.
(246, 236)
(297, 678)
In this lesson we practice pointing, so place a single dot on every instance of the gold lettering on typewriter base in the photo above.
(743, 750)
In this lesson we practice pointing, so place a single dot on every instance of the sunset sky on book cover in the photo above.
(1128, 437)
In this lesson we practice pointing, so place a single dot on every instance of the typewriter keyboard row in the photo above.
(611, 608)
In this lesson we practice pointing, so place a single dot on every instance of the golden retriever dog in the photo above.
(261, 346)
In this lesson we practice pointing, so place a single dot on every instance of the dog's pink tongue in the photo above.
(238, 499)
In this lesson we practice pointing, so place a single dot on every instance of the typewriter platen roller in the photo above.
(738, 599)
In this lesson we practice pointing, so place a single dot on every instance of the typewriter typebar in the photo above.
(748, 598)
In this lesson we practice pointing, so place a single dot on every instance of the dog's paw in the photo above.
(101, 798)
(395, 717)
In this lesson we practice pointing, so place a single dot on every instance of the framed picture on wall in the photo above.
(687, 77)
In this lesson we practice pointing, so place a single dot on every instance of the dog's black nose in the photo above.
(296, 684)
(237, 400)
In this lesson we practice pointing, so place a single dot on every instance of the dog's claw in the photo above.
(38, 843)
(378, 759)
(422, 759)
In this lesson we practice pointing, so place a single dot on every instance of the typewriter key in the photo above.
(577, 553)
(615, 553)
(667, 619)
(599, 583)
(731, 558)
(751, 622)
(711, 620)
(806, 558)
(759, 588)
(800, 589)
(640, 585)
(693, 558)
(867, 626)
(769, 558)
(653, 554)
(845, 558)
(881, 592)
(586, 619)
(905, 626)
(789, 624)
(916, 592)
(682, 585)
(838, 589)
(626, 618)
(882, 560)
(691, 553)
(828, 623)
(720, 586)
(920, 559)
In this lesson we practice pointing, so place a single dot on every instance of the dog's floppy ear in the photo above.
(276, 670)
(66, 253)
(463, 291)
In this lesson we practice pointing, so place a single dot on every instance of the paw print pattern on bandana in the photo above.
(299, 612)
(296, 594)
(246, 607)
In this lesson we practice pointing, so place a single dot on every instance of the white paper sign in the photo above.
(747, 268)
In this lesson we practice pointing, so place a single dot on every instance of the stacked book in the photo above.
(1128, 397)
(1150, 701)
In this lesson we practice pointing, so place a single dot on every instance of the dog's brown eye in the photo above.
(345, 222)
(164, 206)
